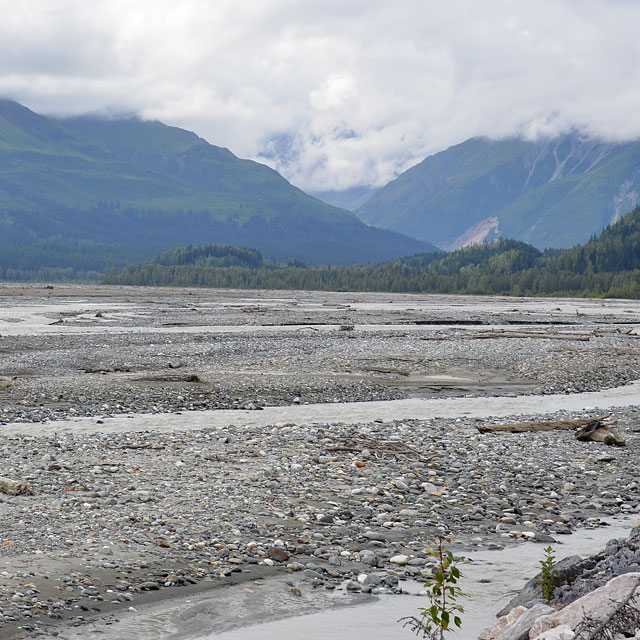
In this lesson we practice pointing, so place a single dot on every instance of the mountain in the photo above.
(551, 193)
(131, 183)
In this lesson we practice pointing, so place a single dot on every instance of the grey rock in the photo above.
(150, 585)
(520, 629)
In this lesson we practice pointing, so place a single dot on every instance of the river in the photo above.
(414, 408)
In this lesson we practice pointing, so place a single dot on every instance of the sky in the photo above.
(333, 94)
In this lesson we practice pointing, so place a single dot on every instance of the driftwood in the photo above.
(377, 447)
(597, 431)
(513, 334)
(521, 334)
(13, 487)
(193, 377)
(623, 621)
(400, 372)
(521, 427)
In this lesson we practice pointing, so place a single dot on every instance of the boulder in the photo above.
(504, 622)
(597, 605)
(566, 570)
(517, 623)
(369, 557)
(14, 487)
(563, 632)
(278, 554)
(522, 626)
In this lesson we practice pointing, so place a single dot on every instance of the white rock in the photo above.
(563, 632)
(517, 623)
(498, 629)
(400, 559)
(597, 604)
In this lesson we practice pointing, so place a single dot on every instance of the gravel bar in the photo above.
(109, 521)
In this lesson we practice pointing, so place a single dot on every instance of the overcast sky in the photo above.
(335, 93)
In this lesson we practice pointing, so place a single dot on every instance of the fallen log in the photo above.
(516, 334)
(382, 447)
(400, 372)
(521, 334)
(522, 427)
(13, 487)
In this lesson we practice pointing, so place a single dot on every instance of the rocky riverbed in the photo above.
(112, 516)
(90, 351)
(112, 520)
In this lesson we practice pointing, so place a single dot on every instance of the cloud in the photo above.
(332, 94)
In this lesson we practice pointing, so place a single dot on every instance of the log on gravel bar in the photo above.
(521, 427)
(520, 334)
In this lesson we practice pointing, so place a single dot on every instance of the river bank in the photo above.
(267, 608)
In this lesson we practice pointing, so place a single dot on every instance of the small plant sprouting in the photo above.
(443, 593)
(547, 579)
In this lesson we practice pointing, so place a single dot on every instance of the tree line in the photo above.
(607, 266)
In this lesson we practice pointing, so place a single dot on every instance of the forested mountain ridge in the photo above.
(608, 265)
(555, 192)
(134, 186)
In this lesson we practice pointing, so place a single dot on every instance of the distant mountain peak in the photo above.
(549, 192)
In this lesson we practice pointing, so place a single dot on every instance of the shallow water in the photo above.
(508, 570)
(416, 408)
(490, 580)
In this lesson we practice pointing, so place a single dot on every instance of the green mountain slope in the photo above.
(41, 163)
(145, 184)
(551, 193)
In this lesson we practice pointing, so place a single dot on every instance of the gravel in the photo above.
(111, 519)
(150, 511)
